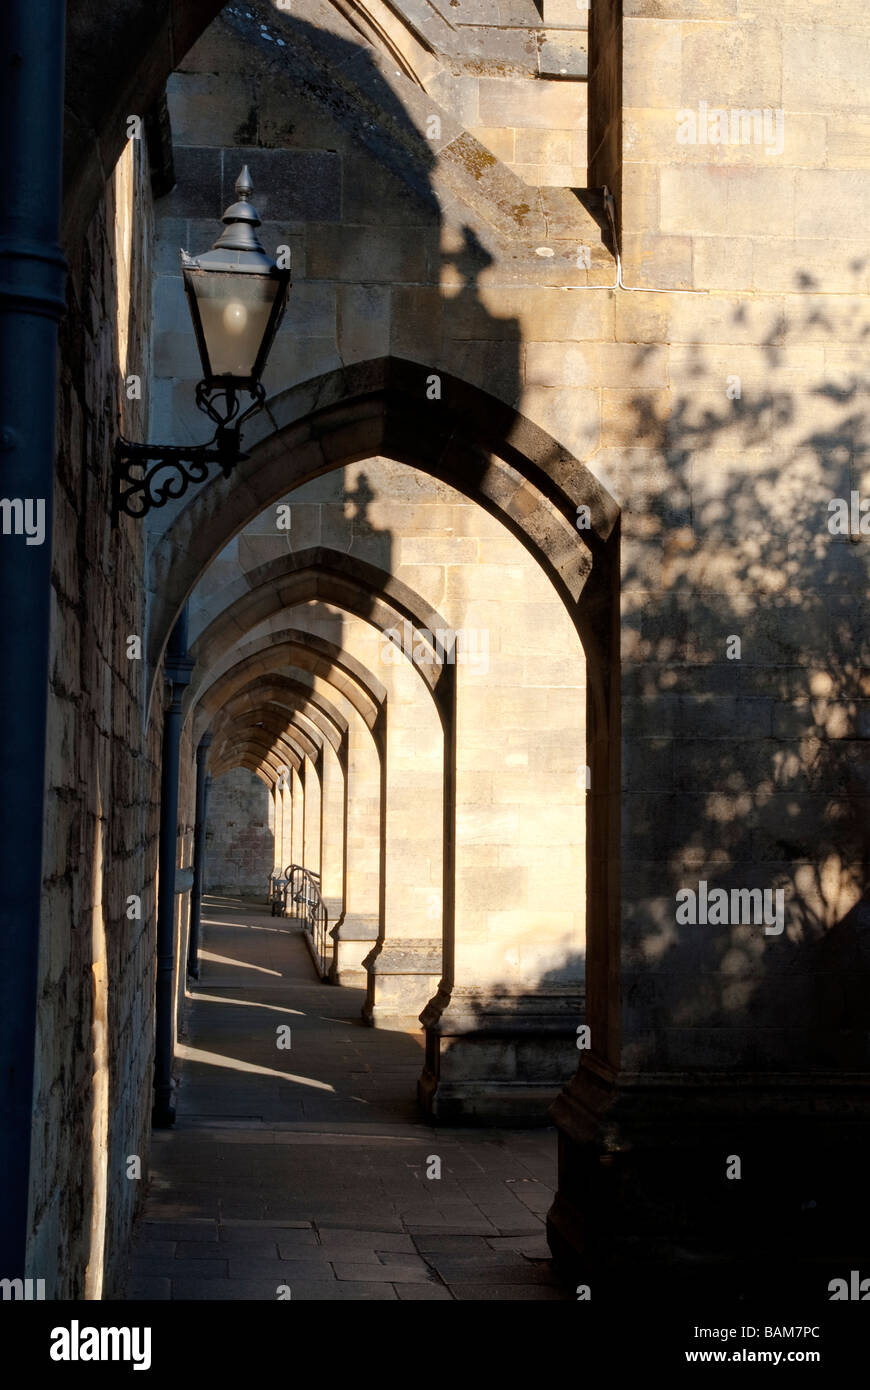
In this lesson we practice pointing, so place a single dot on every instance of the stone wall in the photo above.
(744, 641)
(442, 251)
(427, 246)
(711, 408)
(94, 1043)
(740, 419)
(717, 395)
(517, 80)
(239, 837)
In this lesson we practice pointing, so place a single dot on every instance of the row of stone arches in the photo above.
(422, 263)
(490, 455)
(472, 439)
(254, 685)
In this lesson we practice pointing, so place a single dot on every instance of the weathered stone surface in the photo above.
(717, 394)
(101, 821)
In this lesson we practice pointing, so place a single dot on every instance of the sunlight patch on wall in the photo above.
(100, 1078)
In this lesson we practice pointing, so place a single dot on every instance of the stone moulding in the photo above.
(352, 935)
(498, 1057)
(402, 976)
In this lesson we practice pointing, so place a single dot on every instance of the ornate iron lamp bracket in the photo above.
(138, 487)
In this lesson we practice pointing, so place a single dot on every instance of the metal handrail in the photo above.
(306, 904)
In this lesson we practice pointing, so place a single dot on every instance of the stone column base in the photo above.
(403, 975)
(645, 1193)
(353, 935)
(496, 1058)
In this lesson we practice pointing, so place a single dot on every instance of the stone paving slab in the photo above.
(377, 1273)
(315, 1266)
(205, 1250)
(178, 1230)
(148, 1288)
(261, 1290)
(350, 1239)
(166, 1248)
(328, 1254)
(429, 1292)
(507, 1292)
(178, 1269)
(534, 1247)
(314, 1176)
(471, 1269)
(461, 1244)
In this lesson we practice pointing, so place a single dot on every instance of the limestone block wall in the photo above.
(239, 836)
(94, 1041)
(525, 97)
(428, 248)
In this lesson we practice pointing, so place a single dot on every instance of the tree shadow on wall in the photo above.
(745, 763)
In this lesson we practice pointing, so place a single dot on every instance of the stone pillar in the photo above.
(332, 828)
(311, 826)
(284, 845)
(405, 966)
(720, 1116)
(276, 815)
(357, 930)
(297, 850)
(501, 1031)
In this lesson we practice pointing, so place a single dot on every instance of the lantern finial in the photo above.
(244, 186)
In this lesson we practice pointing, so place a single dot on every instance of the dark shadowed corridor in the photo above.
(307, 1167)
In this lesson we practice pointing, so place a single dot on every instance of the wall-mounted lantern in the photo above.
(236, 296)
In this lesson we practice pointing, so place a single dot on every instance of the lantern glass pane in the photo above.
(234, 312)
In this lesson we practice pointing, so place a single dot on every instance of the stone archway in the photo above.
(484, 449)
(339, 579)
(294, 700)
(274, 698)
(520, 475)
(283, 690)
(256, 659)
(383, 602)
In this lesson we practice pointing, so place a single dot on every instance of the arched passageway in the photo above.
(305, 1165)
(330, 581)
(401, 731)
(458, 337)
(489, 455)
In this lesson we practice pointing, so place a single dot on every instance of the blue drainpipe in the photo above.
(32, 288)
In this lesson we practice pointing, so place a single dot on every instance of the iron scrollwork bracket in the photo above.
(138, 487)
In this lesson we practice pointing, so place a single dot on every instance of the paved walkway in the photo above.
(306, 1169)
